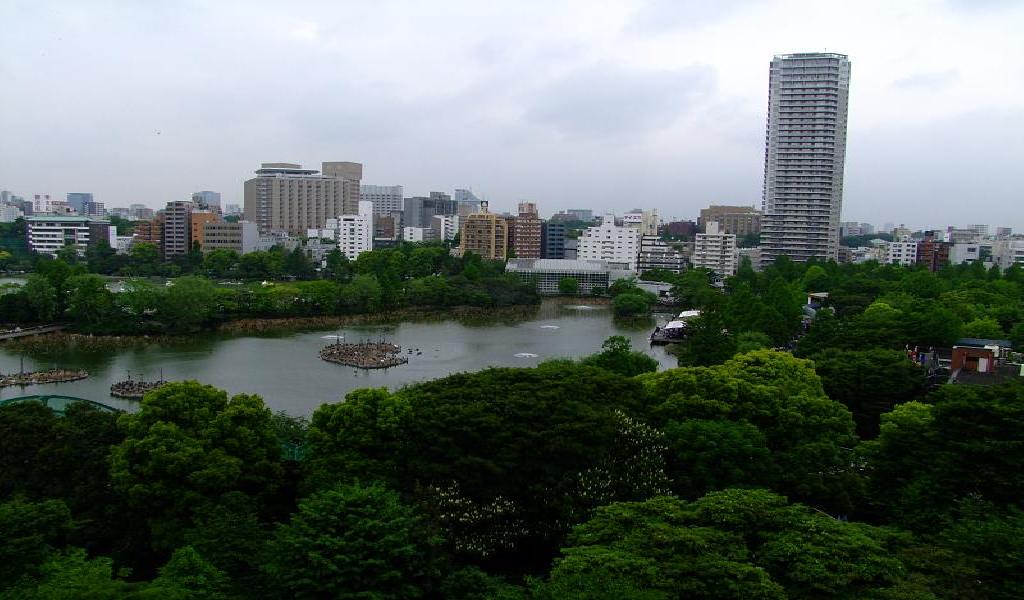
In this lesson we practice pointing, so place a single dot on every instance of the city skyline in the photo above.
(655, 104)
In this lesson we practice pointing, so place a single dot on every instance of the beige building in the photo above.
(199, 219)
(527, 231)
(484, 233)
(286, 197)
(735, 220)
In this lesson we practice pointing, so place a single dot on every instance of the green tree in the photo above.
(68, 254)
(91, 304)
(187, 446)
(221, 263)
(351, 542)
(869, 382)
(808, 435)
(988, 329)
(338, 267)
(708, 342)
(617, 356)
(188, 575)
(363, 294)
(298, 264)
(31, 533)
(568, 286)
(748, 341)
(930, 461)
(42, 297)
(143, 259)
(188, 303)
(630, 305)
(729, 544)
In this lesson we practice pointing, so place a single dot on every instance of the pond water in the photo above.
(286, 371)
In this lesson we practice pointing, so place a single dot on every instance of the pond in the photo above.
(287, 372)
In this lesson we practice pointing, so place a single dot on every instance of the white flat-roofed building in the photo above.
(548, 272)
(354, 233)
(49, 233)
(417, 234)
(1007, 253)
(658, 254)
(610, 243)
(445, 226)
(964, 253)
(715, 251)
(902, 253)
(10, 213)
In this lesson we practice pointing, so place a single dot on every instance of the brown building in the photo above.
(527, 238)
(484, 233)
(735, 220)
(199, 219)
(151, 232)
(932, 252)
(680, 228)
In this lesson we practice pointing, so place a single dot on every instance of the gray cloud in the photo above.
(953, 171)
(603, 100)
(928, 81)
(660, 16)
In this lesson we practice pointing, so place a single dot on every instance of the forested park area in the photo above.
(69, 289)
(834, 469)
(590, 479)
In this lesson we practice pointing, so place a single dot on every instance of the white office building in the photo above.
(1007, 253)
(353, 233)
(715, 250)
(9, 213)
(386, 198)
(48, 234)
(610, 243)
(964, 253)
(417, 234)
(902, 253)
(444, 226)
(804, 156)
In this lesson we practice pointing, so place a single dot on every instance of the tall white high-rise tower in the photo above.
(805, 148)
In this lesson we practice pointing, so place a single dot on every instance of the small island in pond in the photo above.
(135, 388)
(364, 355)
(41, 377)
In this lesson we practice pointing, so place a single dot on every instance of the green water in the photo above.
(287, 372)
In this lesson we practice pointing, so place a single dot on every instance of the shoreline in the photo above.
(46, 343)
(63, 341)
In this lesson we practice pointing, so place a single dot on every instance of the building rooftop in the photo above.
(63, 219)
(556, 264)
(981, 343)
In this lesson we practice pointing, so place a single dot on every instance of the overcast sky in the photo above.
(609, 105)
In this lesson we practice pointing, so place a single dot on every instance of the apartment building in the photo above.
(484, 233)
(903, 253)
(715, 250)
(528, 232)
(285, 197)
(610, 243)
(805, 153)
